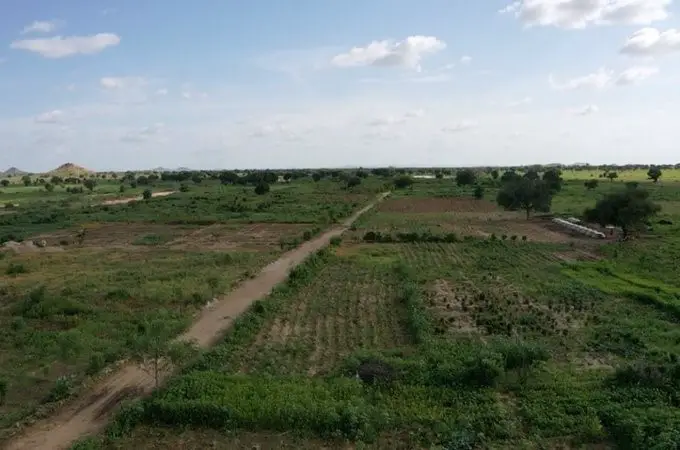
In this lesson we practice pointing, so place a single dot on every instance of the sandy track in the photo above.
(122, 201)
(90, 412)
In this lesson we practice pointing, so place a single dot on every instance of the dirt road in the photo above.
(89, 413)
(122, 201)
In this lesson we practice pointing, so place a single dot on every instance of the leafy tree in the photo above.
(197, 179)
(479, 192)
(143, 180)
(466, 177)
(122, 188)
(4, 183)
(287, 177)
(49, 187)
(147, 194)
(654, 173)
(261, 188)
(531, 175)
(56, 180)
(26, 179)
(439, 174)
(352, 182)
(270, 177)
(229, 177)
(553, 178)
(509, 175)
(361, 173)
(403, 182)
(90, 184)
(153, 348)
(495, 174)
(628, 208)
(525, 194)
(591, 184)
(316, 176)
(612, 175)
(184, 187)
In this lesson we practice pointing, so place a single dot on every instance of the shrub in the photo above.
(147, 194)
(336, 241)
(262, 188)
(4, 386)
(15, 269)
(184, 187)
(63, 388)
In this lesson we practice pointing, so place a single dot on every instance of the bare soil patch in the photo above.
(510, 224)
(218, 237)
(122, 201)
(436, 205)
(451, 309)
(256, 236)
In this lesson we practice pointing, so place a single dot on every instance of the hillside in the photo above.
(12, 172)
(69, 169)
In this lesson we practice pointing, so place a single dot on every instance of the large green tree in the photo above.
(628, 208)
(526, 195)
(654, 173)
(466, 177)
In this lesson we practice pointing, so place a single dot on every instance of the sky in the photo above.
(232, 84)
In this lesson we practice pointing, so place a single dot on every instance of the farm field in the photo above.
(439, 320)
(78, 283)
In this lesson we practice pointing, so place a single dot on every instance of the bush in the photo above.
(63, 388)
(15, 269)
(147, 194)
(262, 188)
(410, 237)
(4, 386)
(336, 241)
(184, 187)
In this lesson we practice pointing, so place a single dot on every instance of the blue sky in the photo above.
(118, 84)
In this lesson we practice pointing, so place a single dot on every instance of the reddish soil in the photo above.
(243, 237)
(90, 412)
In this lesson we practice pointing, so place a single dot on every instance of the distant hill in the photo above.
(12, 172)
(69, 169)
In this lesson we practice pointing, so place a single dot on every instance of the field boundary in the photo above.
(91, 411)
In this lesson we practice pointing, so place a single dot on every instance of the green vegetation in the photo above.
(439, 320)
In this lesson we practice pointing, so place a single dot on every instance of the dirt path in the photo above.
(89, 413)
(122, 201)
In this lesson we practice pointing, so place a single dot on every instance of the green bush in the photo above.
(15, 269)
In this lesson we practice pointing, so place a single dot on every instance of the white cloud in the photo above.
(635, 74)
(582, 13)
(162, 92)
(144, 134)
(597, 80)
(41, 26)
(62, 47)
(604, 78)
(51, 117)
(121, 82)
(652, 42)
(465, 60)
(462, 125)
(407, 53)
(585, 110)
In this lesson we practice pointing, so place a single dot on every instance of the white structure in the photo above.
(579, 228)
